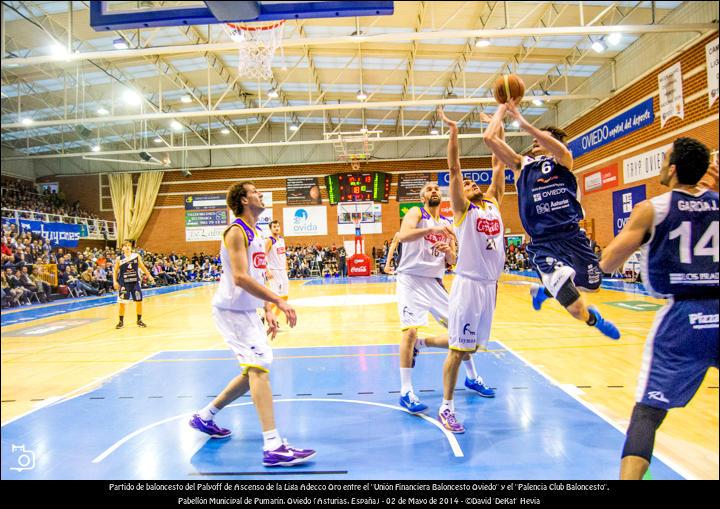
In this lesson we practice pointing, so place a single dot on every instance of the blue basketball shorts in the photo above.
(547, 257)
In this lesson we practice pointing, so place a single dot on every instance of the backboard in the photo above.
(118, 15)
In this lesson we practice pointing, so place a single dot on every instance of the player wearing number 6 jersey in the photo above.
(680, 240)
(550, 212)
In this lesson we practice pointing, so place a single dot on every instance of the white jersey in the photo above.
(480, 230)
(276, 256)
(419, 257)
(229, 295)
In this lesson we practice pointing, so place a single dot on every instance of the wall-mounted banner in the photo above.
(623, 203)
(602, 179)
(303, 191)
(711, 59)
(446, 209)
(304, 221)
(405, 207)
(671, 94)
(59, 234)
(631, 120)
(480, 177)
(206, 217)
(410, 185)
(644, 166)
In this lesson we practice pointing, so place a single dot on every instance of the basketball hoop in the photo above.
(256, 46)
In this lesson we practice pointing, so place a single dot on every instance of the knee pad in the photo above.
(640, 438)
(554, 282)
(567, 294)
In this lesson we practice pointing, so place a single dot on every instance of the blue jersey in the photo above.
(547, 199)
(129, 269)
(681, 257)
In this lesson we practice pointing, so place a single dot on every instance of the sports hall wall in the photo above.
(700, 122)
(165, 231)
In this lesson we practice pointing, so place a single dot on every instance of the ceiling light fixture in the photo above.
(537, 102)
(361, 95)
(131, 97)
(120, 44)
(482, 42)
(177, 126)
(158, 140)
(272, 94)
(95, 148)
(27, 121)
(614, 38)
(598, 46)
(434, 132)
(102, 111)
(225, 130)
(186, 99)
(294, 127)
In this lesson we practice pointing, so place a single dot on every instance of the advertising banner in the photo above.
(631, 120)
(711, 59)
(671, 94)
(645, 165)
(602, 179)
(59, 234)
(304, 221)
(480, 177)
(410, 185)
(303, 191)
(206, 217)
(623, 203)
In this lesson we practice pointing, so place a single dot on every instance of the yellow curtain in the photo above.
(121, 193)
(147, 190)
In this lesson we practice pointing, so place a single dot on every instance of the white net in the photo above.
(256, 46)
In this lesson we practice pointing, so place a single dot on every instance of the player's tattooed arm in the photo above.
(494, 137)
(409, 230)
(457, 196)
(630, 238)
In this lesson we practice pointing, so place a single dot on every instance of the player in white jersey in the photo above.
(235, 304)
(480, 262)
(428, 246)
(276, 274)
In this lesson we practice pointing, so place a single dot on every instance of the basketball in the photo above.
(508, 85)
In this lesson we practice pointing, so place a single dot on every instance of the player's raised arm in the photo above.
(457, 197)
(632, 236)
(558, 149)
(494, 137)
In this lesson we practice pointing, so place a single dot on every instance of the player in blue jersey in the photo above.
(678, 232)
(550, 212)
(128, 282)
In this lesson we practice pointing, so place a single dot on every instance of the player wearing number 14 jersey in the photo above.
(680, 240)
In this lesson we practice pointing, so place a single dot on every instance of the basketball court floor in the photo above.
(81, 400)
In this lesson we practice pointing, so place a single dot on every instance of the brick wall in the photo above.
(598, 205)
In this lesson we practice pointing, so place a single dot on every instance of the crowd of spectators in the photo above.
(313, 261)
(22, 195)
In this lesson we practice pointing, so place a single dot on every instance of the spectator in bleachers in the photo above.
(27, 283)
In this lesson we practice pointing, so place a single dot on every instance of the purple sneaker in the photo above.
(287, 456)
(449, 422)
(209, 427)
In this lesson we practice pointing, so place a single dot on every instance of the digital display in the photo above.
(358, 187)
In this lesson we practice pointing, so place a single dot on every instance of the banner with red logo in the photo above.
(605, 178)
(446, 209)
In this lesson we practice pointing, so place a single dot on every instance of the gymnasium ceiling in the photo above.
(54, 111)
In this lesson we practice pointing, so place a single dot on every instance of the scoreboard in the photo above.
(374, 186)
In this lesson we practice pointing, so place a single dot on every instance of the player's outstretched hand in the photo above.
(289, 312)
(485, 117)
(388, 269)
(443, 247)
(451, 124)
(513, 111)
(272, 323)
(268, 275)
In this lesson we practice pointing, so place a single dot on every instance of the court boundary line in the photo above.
(454, 444)
(66, 397)
(680, 470)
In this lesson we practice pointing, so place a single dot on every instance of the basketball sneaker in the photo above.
(140, 323)
(209, 427)
(120, 325)
(605, 326)
(538, 296)
(287, 456)
(449, 422)
(412, 403)
(478, 386)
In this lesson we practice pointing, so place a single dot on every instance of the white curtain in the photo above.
(132, 212)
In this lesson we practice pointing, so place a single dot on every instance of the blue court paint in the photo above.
(26, 314)
(532, 430)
